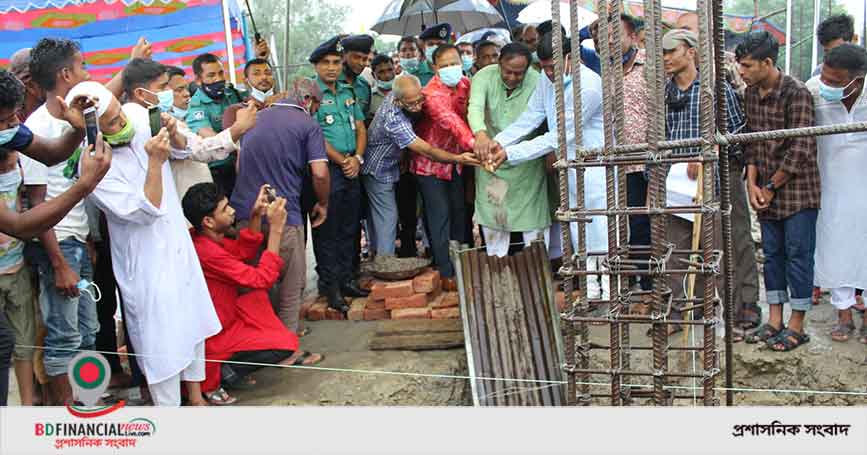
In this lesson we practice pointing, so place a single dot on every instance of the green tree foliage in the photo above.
(802, 27)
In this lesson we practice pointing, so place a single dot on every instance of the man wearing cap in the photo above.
(431, 38)
(342, 123)
(682, 93)
(356, 49)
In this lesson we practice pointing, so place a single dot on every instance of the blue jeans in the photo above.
(71, 323)
(789, 245)
(445, 215)
(382, 214)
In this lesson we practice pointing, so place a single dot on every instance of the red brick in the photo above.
(446, 313)
(317, 312)
(356, 310)
(366, 283)
(376, 315)
(333, 315)
(447, 300)
(305, 307)
(426, 282)
(392, 290)
(411, 313)
(415, 301)
(375, 305)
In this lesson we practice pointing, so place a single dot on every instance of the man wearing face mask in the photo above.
(181, 90)
(431, 38)
(205, 114)
(409, 54)
(146, 83)
(169, 309)
(383, 73)
(784, 188)
(468, 58)
(510, 146)
(442, 184)
(838, 95)
(391, 135)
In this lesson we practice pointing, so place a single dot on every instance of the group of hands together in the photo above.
(487, 154)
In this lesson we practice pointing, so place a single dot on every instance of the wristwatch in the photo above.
(770, 187)
(359, 158)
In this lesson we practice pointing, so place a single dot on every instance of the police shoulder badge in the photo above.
(199, 115)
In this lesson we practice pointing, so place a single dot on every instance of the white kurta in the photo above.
(167, 307)
(841, 229)
(542, 108)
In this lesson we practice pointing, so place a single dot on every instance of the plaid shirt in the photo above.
(390, 132)
(684, 123)
(789, 105)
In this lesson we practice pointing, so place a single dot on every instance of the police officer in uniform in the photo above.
(432, 37)
(205, 113)
(342, 122)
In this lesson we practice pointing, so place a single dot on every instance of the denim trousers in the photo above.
(71, 322)
(789, 245)
(382, 214)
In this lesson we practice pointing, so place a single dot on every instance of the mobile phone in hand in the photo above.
(91, 126)
(271, 193)
(156, 122)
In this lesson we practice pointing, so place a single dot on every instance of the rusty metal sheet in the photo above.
(511, 327)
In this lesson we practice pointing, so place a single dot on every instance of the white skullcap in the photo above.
(95, 90)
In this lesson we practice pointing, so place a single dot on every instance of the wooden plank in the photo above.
(419, 326)
(418, 341)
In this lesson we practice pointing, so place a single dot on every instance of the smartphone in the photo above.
(271, 192)
(91, 126)
(155, 121)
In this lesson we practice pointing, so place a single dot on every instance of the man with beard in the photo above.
(391, 133)
(356, 49)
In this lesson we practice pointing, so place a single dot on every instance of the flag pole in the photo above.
(788, 36)
(230, 51)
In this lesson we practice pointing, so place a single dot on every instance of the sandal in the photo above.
(304, 332)
(763, 333)
(738, 334)
(301, 359)
(751, 317)
(788, 340)
(220, 397)
(842, 332)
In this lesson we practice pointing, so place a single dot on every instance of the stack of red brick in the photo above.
(419, 298)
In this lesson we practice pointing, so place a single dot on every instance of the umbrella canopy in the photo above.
(476, 35)
(540, 11)
(435, 4)
(463, 15)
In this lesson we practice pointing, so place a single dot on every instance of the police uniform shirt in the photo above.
(337, 115)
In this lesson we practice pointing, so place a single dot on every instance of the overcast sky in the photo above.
(366, 12)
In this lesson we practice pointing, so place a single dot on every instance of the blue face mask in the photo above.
(165, 99)
(178, 113)
(467, 62)
(10, 181)
(451, 75)
(409, 64)
(429, 52)
(259, 95)
(91, 289)
(7, 134)
(834, 94)
(385, 85)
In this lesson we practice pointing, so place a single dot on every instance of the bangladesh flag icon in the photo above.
(89, 375)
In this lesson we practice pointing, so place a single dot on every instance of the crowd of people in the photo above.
(191, 210)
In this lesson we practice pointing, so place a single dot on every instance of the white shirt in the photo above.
(841, 229)
(541, 108)
(74, 224)
(166, 302)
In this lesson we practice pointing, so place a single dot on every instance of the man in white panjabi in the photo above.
(841, 228)
(167, 307)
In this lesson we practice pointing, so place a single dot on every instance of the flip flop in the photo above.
(220, 397)
(306, 355)
(842, 332)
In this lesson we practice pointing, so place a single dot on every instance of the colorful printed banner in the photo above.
(108, 29)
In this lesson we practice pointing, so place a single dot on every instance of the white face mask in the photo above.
(259, 95)
(179, 113)
(85, 287)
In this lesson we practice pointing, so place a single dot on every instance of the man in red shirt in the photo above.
(251, 330)
(444, 126)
